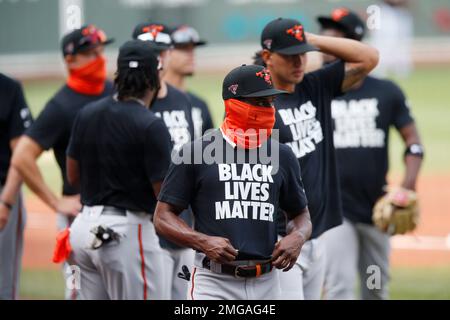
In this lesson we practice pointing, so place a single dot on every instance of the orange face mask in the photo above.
(246, 125)
(90, 78)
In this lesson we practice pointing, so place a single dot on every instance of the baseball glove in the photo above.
(397, 212)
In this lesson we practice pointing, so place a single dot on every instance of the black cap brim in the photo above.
(196, 43)
(299, 49)
(327, 22)
(264, 93)
(92, 46)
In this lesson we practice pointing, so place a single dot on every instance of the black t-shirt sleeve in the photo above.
(206, 115)
(178, 187)
(292, 193)
(208, 124)
(401, 115)
(331, 77)
(49, 126)
(74, 146)
(20, 118)
(157, 150)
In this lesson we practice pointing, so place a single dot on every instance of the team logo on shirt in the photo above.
(306, 130)
(355, 124)
(247, 192)
(296, 31)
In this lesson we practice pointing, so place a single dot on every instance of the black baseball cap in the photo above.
(135, 54)
(346, 21)
(248, 81)
(157, 33)
(285, 36)
(185, 34)
(85, 38)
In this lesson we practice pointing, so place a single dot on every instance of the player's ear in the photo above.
(69, 59)
(265, 55)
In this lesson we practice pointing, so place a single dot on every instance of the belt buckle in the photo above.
(236, 270)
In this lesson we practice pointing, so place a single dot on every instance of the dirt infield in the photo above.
(429, 245)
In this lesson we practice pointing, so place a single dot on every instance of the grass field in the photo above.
(429, 93)
(406, 283)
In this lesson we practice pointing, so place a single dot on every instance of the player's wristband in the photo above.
(414, 149)
(6, 204)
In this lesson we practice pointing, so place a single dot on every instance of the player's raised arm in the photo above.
(359, 58)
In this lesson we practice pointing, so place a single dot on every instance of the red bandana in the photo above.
(247, 126)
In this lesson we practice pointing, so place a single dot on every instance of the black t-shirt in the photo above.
(15, 117)
(53, 125)
(201, 117)
(121, 148)
(236, 199)
(174, 109)
(305, 124)
(362, 118)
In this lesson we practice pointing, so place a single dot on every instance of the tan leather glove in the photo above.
(397, 212)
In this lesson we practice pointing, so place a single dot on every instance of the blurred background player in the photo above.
(362, 119)
(181, 65)
(174, 107)
(15, 118)
(303, 119)
(118, 154)
(86, 82)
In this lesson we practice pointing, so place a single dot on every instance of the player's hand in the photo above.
(286, 251)
(4, 216)
(69, 205)
(219, 250)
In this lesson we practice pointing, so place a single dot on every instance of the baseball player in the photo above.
(15, 118)
(118, 153)
(362, 118)
(181, 65)
(83, 55)
(234, 196)
(304, 121)
(174, 107)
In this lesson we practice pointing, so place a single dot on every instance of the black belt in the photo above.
(240, 271)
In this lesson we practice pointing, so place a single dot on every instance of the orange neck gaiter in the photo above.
(246, 125)
(90, 78)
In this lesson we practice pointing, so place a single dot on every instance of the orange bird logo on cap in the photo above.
(265, 74)
(339, 13)
(153, 29)
(296, 31)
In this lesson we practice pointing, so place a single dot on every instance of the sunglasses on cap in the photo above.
(186, 35)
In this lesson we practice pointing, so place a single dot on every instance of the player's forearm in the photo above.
(411, 136)
(348, 50)
(31, 175)
(169, 225)
(301, 225)
(412, 164)
(12, 186)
